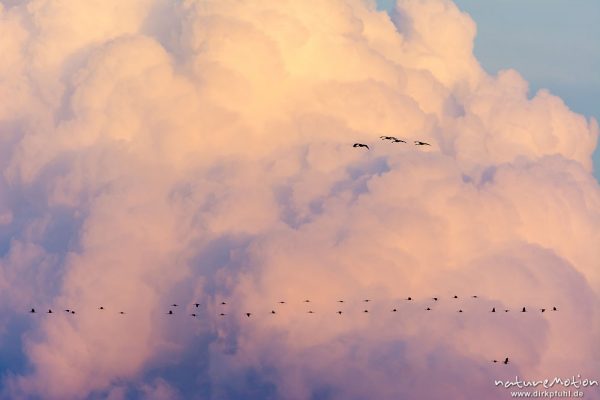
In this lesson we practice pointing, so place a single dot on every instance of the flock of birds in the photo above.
(340, 312)
(196, 306)
(393, 139)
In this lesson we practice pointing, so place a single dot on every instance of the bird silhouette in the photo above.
(366, 311)
(506, 310)
(428, 309)
(435, 299)
(273, 312)
(307, 301)
(339, 312)
(493, 309)
(223, 303)
(387, 137)
(170, 312)
(197, 305)
(360, 145)
(193, 314)
(248, 314)
(311, 312)
(419, 143)
(394, 310)
(505, 360)
(460, 310)
(409, 298)
(222, 314)
(474, 296)
(554, 309)
(455, 297)
(32, 310)
(543, 309)
(398, 141)
(100, 308)
(121, 312)
(67, 310)
(49, 311)
(367, 300)
(72, 312)
(523, 310)
(174, 305)
(282, 302)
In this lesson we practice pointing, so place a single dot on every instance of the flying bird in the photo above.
(398, 141)
(197, 305)
(49, 311)
(455, 297)
(387, 137)
(554, 309)
(460, 310)
(493, 309)
(366, 311)
(523, 310)
(409, 298)
(32, 310)
(248, 314)
(193, 314)
(394, 310)
(419, 143)
(174, 305)
(223, 303)
(543, 309)
(170, 312)
(474, 296)
(307, 301)
(282, 302)
(340, 301)
(72, 312)
(360, 145)
(339, 312)
(505, 360)
(435, 298)
(311, 312)
(100, 308)
(222, 314)
(121, 312)
(272, 311)
(428, 309)
(367, 300)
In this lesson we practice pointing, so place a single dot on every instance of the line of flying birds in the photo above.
(340, 312)
(393, 139)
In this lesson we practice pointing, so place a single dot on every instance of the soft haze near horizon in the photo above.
(155, 152)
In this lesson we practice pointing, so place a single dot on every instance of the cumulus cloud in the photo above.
(188, 151)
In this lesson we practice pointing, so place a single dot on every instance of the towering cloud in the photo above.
(157, 151)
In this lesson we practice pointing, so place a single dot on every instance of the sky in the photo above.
(182, 178)
(551, 43)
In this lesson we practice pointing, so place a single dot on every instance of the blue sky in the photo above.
(552, 43)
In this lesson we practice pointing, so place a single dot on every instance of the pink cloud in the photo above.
(158, 153)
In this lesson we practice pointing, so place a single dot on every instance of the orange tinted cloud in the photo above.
(201, 151)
